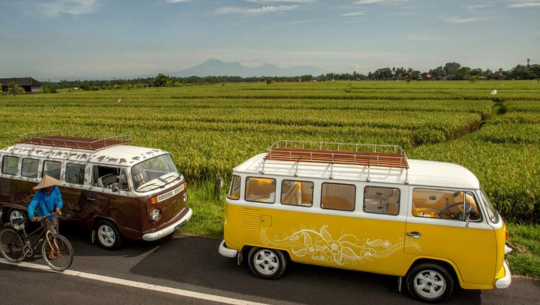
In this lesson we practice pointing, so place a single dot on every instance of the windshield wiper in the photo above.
(145, 186)
(178, 177)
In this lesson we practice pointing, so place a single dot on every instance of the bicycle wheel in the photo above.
(11, 245)
(59, 254)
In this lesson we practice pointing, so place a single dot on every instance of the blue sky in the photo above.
(121, 38)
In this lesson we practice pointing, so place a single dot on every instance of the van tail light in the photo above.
(153, 200)
(506, 233)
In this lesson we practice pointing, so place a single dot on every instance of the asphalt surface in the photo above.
(194, 264)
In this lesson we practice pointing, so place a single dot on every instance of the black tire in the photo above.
(11, 245)
(17, 214)
(108, 236)
(62, 251)
(267, 263)
(429, 282)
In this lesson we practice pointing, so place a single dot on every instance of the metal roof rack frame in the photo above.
(74, 139)
(376, 155)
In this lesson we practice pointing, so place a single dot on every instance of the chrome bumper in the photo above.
(223, 250)
(506, 280)
(170, 229)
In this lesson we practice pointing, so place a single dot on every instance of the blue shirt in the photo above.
(46, 203)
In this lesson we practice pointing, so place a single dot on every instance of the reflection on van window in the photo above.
(381, 200)
(75, 173)
(445, 204)
(338, 197)
(29, 167)
(105, 176)
(9, 165)
(52, 168)
(154, 173)
(261, 190)
(297, 193)
(234, 192)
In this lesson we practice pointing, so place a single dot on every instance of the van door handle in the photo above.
(90, 199)
(414, 234)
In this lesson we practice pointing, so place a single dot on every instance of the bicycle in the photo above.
(15, 245)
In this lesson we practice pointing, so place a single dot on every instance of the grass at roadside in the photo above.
(525, 258)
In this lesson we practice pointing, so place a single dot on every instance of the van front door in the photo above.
(447, 225)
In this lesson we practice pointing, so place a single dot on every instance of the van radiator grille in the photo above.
(251, 219)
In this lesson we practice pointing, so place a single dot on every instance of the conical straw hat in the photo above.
(46, 182)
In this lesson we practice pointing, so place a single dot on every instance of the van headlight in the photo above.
(155, 215)
(186, 196)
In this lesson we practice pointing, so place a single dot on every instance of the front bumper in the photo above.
(223, 250)
(170, 229)
(505, 281)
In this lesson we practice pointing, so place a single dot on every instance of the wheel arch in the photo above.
(448, 265)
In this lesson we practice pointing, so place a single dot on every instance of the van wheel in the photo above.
(108, 236)
(266, 263)
(429, 282)
(15, 215)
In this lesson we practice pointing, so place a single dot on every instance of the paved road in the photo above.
(192, 264)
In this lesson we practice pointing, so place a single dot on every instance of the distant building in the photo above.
(29, 84)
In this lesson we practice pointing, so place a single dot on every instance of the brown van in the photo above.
(113, 189)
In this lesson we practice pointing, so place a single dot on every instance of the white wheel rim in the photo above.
(266, 262)
(14, 215)
(429, 284)
(106, 235)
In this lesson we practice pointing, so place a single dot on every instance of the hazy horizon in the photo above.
(105, 38)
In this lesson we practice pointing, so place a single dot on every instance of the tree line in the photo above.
(450, 71)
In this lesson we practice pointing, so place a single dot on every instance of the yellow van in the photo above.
(367, 208)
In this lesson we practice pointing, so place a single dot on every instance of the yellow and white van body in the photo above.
(367, 218)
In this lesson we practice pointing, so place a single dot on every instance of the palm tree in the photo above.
(15, 89)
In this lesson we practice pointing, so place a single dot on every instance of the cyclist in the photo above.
(48, 201)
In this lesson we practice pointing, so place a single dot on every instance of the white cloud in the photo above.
(275, 1)
(255, 11)
(475, 8)
(380, 1)
(522, 5)
(353, 14)
(455, 19)
(71, 7)
(176, 1)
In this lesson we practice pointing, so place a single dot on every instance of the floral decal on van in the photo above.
(347, 249)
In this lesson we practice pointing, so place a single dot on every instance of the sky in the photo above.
(126, 38)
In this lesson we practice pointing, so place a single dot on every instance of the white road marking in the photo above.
(127, 283)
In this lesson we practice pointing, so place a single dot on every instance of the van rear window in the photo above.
(339, 197)
(234, 192)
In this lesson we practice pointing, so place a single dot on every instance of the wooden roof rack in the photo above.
(73, 139)
(391, 156)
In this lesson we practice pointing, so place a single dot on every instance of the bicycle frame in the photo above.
(43, 230)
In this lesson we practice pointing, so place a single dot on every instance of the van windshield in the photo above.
(493, 214)
(154, 173)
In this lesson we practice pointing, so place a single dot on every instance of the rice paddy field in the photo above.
(211, 129)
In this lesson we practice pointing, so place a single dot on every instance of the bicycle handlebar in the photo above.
(40, 218)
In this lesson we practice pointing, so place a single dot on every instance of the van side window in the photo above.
(10, 165)
(52, 168)
(75, 173)
(105, 176)
(234, 192)
(29, 167)
(338, 196)
(381, 200)
(261, 189)
(297, 193)
(445, 204)
(123, 181)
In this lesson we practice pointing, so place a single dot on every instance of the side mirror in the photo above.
(114, 187)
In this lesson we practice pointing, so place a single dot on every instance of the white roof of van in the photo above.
(113, 155)
(420, 172)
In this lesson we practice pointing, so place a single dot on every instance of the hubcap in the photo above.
(429, 284)
(106, 235)
(266, 262)
(14, 215)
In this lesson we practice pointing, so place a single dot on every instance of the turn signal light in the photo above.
(153, 200)
(506, 233)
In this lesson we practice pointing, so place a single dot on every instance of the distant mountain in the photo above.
(214, 67)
